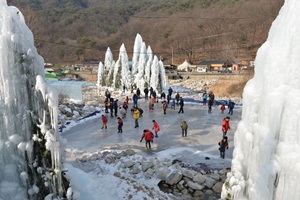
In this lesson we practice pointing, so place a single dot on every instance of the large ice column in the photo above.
(139, 79)
(100, 76)
(108, 67)
(266, 158)
(30, 148)
(125, 73)
(136, 54)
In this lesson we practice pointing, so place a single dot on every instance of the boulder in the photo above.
(162, 173)
(173, 177)
(199, 178)
(198, 193)
(135, 169)
(209, 182)
(129, 152)
(117, 174)
(195, 186)
(146, 165)
(215, 177)
(128, 164)
(188, 173)
(218, 187)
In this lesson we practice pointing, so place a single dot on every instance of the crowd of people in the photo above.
(112, 107)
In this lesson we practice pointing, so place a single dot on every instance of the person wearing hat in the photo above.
(225, 125)
(223, 145)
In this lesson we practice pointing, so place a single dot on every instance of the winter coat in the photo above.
(146, 91)
(164, 105)
(225, 124)
(231, 105)
(136, 114)
(222, 107)
(148, 135)
(120, 121)
(223, 145)
(177, 96)
(204, 96)
(184, 125)
(104, 119)
(156, 127)
(170, 91)
(181, 103)
(152, 100)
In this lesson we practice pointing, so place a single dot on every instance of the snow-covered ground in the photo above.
(94, 178)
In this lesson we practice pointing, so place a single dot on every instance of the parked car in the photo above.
(224, 70)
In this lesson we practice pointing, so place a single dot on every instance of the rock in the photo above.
(174, 177)
(110, 159)
(218, 187)
(199, 178)
(215, 177)
(128, 164)
(189, 173)
(180, 185)
(69, 114)
(120, 155)
(195, 186)
(129, 152)
(162, 173)
(117, 174)
(149, 173)
(209, 192)
(146, 165)
(209, 182)
(135, 170)
(198, 193)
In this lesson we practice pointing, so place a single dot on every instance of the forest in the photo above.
(73, 31)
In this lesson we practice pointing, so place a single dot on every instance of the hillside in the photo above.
(70, 31)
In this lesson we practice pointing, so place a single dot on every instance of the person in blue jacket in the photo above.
(231, 105)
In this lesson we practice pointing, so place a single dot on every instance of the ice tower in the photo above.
(266, 158)
(30, 147)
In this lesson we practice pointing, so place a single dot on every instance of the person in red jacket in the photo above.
(148, 135)
(104, 121)
(156, 128)
(225, 125)
(120, 125)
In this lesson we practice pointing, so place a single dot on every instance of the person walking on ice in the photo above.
(225, 125)
(164, 104)
(181, 104)
(222, 108)
(148, 136)
(184, 128)
(104, 121)
(223, 146)
(156, 128)
(136, 116)
(120, 125)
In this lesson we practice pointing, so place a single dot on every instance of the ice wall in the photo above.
(30, 153)
(266, 158)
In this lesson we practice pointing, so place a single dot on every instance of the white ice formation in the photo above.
(30, 147)
(266, 158)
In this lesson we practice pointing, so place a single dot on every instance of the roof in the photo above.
(210, 62)
(184, 65)
(75, 83)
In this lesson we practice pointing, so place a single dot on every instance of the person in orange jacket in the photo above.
(148, 135)
(225, 125)
(156, 128)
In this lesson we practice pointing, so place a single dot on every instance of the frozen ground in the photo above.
(204, 133)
